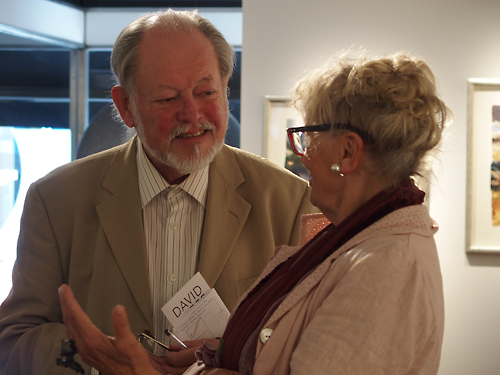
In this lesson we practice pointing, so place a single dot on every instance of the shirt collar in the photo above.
(151, 182)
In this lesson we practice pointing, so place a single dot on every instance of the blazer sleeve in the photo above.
(31, 326)
(304, 209)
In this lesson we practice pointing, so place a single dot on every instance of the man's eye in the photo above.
(209, 92)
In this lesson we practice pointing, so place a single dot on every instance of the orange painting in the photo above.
(495, 167)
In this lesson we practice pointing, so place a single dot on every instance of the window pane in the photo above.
(26, 154)
(34, 87)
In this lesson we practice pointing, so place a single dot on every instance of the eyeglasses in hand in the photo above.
(152, 345)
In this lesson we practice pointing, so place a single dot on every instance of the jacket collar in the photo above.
(121, 220)
(226, 210)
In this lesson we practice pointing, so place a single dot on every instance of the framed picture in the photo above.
(483, 166)
(279, 114)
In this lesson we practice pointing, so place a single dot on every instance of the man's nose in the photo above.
(189, 112)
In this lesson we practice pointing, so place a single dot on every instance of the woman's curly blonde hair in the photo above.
(392, 98)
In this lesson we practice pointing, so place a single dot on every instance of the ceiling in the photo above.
(152, 3)
(12, 41)
(9, 39)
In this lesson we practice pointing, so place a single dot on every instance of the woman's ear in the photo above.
(352, 152)
(122, 101)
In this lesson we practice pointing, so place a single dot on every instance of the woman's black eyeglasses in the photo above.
(298, 140)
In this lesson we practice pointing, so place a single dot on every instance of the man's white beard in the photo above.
(189, 165)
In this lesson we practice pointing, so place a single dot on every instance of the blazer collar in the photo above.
(226, 211)
(121, 220)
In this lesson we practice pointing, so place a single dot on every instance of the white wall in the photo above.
(102, 26)
(460, 39)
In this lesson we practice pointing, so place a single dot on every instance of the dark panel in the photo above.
(33, 71)
(33, 114)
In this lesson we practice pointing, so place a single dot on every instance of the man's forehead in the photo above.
(167, 61)
(157, 46)
(208, 78)
(158, 39)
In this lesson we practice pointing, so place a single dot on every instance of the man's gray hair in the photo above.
(124, 55)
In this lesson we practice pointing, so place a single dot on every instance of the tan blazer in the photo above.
(378, 309)
(82, 225)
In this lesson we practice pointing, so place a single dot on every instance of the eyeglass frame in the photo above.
(322, 127)
(146, 334)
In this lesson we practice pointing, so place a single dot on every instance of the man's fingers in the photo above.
(75, 319)
(183, 358)
(79, 327)
(124, 340)
(219, 371)
(170, 370)
(195, 343)
(121, 325)
(161, 365)
(158, 363)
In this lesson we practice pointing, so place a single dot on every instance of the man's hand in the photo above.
(121, 354)
(179, 360)
(221, 371)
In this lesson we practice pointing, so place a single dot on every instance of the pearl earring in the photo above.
(336, 169)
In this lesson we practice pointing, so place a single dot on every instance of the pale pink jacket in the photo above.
(378, 309)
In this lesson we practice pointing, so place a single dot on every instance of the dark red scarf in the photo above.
(251, 312)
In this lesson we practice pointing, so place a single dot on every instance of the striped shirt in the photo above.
(173, 219)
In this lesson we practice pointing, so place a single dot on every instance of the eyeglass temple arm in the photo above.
(142, 334)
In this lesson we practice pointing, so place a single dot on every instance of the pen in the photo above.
(170, 334)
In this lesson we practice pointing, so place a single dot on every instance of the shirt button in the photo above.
(173, 278)
(174, 226)
(265, 335)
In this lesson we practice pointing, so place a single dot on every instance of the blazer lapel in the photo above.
(225, 216)
(121, 220)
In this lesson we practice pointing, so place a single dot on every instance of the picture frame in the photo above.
(483, 162)
(280, 114)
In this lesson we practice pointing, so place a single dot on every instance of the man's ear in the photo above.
(226, 87)
(122, 101)
(352, 152)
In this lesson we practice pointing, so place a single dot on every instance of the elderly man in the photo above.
(131, 225)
